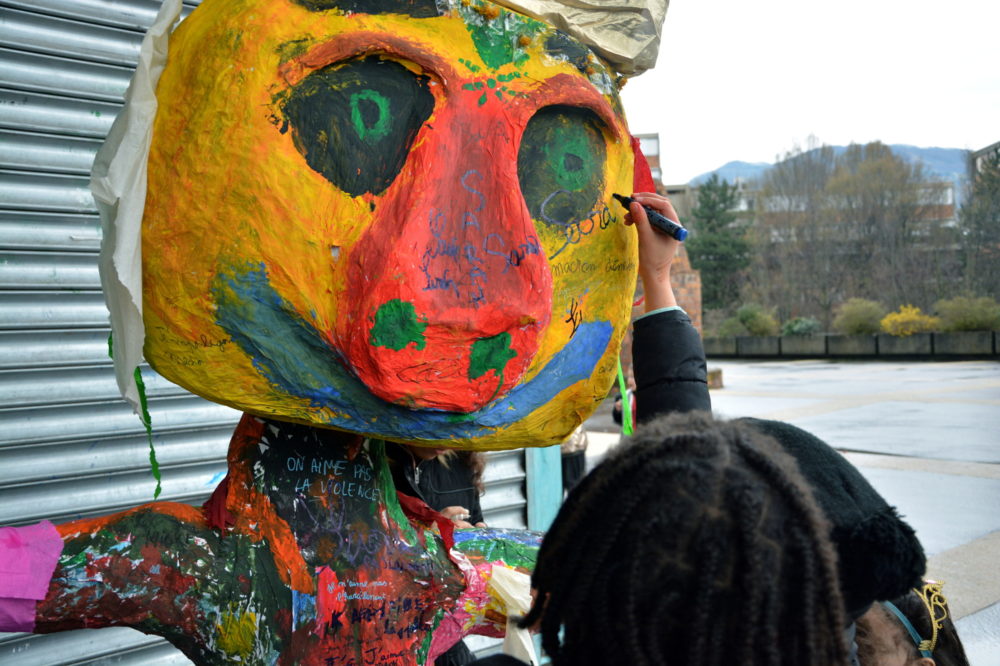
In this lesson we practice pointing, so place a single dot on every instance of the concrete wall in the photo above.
(720, 346)
(851, 345)
(972, 344)
(803, 345)
(967, 342)
(765, 345)
(918, 344)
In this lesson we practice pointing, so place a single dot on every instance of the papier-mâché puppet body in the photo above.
(365, 220)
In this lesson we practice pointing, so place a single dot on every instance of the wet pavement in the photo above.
(927, 410)
(926, 435)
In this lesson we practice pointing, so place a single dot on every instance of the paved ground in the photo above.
(926, 435)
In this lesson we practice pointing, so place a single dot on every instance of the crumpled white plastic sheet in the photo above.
(626, 33)
(513, 588)
(118, 183)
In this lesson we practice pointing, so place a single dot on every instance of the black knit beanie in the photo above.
(879, 555)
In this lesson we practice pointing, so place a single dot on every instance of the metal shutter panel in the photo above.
(69, 446)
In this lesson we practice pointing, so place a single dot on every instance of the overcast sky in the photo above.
(749, 79)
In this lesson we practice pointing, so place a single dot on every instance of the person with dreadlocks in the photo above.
(878, 555)
(696, 542)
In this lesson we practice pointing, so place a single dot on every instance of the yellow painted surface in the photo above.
(228, 189)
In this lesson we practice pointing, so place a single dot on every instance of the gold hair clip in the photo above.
(937, 608)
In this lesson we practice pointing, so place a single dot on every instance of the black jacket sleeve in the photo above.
(476, 510)
(669, 365)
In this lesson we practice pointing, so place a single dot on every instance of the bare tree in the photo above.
(980, 226)
(864, 223)
(793, 236)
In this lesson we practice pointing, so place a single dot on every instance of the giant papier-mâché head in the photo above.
(392, 217)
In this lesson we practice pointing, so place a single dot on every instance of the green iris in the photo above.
(560, 164)
(370, 115)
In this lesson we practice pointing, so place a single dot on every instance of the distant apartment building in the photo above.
(936, 204)
(934, 207)
(685, 196)
(680, 195)
(978, 157)
(649, 144)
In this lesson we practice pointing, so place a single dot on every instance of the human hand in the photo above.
(458, 515)
(656, 250)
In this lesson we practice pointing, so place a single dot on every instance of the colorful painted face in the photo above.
(398, 224)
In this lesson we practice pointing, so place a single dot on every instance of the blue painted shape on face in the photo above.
(281, 345)
(296, 359)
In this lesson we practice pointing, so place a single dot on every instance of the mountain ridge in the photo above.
(945, 163)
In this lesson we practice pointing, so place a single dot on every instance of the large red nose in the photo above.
(450, 289)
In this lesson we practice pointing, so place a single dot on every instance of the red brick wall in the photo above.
(687, 287)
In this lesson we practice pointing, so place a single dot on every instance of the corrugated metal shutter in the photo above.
(69, 446)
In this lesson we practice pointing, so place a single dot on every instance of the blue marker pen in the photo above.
(660, 223)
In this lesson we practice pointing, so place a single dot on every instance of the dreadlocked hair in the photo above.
(695, 543)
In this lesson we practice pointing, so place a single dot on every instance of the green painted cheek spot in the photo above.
(490, 354)
(370, 115)
(396, 326)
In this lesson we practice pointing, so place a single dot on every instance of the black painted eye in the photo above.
(354, 122)
(560, 164)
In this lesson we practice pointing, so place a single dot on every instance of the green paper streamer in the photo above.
(146, 420)
(626, 403)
